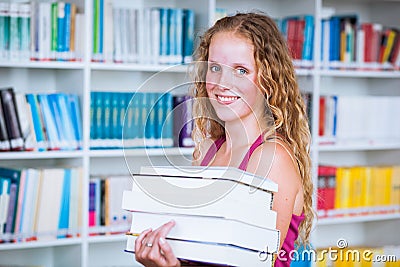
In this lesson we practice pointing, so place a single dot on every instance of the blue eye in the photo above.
(215, 68)
(241, 71)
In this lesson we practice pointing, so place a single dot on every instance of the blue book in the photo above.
(132, 126)
(115, 132)
(41, 142)
(99, 119)
(122, 107)
(60, 29)
(164, 36)
(160, 118)
(56, 113)
(168, 128)
(92, 115)
(172, 23)
(308, 45)
(76, 117)
(49, 122)
(67, 31)
(106, 110)
(188, 35)
(178, 51)
(334, 39)
(63, 222)
(150, 123)
(66, 119)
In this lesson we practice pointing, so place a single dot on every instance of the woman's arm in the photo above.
(275, 161)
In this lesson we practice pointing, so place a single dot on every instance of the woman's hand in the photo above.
(152, 250)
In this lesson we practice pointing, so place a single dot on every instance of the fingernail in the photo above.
(162, 240)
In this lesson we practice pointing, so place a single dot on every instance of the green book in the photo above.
(54, 15)
(4, 30)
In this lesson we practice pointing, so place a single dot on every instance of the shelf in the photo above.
(41, 244)
(358, 219)
(139, 152)
(358, 147)
(107, 238)
(360, 74)
(139, 67)
(43, 65)
(41, 155)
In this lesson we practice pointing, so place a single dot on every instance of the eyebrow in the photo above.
(234, 64)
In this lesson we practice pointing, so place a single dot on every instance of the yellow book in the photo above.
(389, 45)
(356, 178)
(395, 186)
(367, 186)
(387, 185)
(343, 188)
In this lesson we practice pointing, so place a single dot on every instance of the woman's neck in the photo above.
(241, 134)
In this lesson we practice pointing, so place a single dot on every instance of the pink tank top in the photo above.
(283, 258)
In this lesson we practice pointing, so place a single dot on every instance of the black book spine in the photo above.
(11, 119)
(4, 141)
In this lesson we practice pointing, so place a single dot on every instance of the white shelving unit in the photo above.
(84, 77)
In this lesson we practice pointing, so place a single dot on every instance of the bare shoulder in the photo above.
(274, 159)
(200, 153)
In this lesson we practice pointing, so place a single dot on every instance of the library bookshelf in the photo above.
(85, 76)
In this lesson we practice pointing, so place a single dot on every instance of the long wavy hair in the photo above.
(276, 79)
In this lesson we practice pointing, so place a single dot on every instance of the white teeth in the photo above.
(227, 98)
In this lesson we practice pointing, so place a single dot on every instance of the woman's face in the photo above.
(231, 79)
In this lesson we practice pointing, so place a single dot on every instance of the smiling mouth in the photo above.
(227, 99)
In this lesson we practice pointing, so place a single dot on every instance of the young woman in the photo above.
(249, 113)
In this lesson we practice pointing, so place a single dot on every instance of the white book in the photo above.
(210, 229)
(108, 31)
(44, 31)
(4, 201)
(49, 203)
(115, 187)
(229, 173)
(258, 212)
(117, 33)
(132, 27)
(155, 35)
(212, 253)
(29, 206)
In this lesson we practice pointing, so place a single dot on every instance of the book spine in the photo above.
(67, 33)
(164, 42)
(4, 30)
(24, 11)
(4, 140)
(11, 118)
(14, 41)
(188, 35)
(54, 30)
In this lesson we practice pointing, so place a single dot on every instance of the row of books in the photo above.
(348, 43)
(105, 198)
(358, 190)
(358, 119)
(140, 120)
(168, 34)
(40, 204)
(220, 213)
(299, 34)
(387, 256)
(38, 122)
(41, 31)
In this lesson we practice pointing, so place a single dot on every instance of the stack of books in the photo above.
(222, 215)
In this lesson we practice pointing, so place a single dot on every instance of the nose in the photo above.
(225, 79)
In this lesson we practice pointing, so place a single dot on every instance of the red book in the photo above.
(321, 129)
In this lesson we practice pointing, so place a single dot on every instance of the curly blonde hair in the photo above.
(277, 80)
